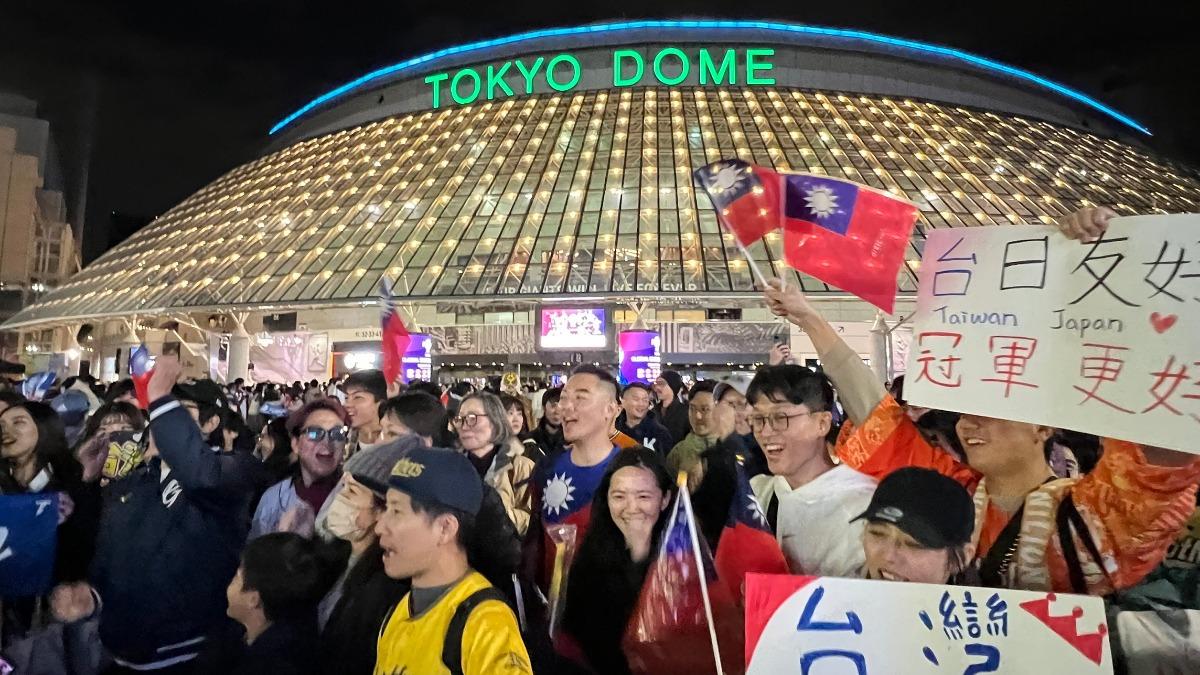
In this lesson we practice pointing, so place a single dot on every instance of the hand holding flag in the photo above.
(395, 336)
(36, 385)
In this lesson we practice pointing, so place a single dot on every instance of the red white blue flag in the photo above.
(747, 544)
(395, 334)
(745, 196)
(34, 387)
(141, 367)
(848, 235)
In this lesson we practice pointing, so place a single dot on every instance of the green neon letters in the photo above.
(668, 66)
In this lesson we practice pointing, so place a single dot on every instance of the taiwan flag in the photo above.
(685, 619)
(746, 543)
(395, 337)
(745, 196)
(141, 367)
(847, 235)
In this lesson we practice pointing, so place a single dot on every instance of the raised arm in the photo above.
(858, 389)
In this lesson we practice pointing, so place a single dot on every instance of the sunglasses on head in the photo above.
(317, 434)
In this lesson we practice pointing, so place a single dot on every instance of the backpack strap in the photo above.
(452, 645)
(1068, 516)
(994, 567)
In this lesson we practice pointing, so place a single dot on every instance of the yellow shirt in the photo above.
(491, 639)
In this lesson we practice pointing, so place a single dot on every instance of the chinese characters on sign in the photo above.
(812, 625)
(1021, 323)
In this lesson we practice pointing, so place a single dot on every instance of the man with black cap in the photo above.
(432, 500)
(919, 526)
(671, 411)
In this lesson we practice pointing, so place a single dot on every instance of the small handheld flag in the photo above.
(747, 200)
(36, 385)
(848, 235)
(141, 367)
(395, 337)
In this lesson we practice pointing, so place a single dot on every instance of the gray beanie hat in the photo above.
(373, 467)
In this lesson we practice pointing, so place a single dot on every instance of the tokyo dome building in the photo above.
(554, 168)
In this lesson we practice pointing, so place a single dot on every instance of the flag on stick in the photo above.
(847, 235)
(395, 336)
(141, 367)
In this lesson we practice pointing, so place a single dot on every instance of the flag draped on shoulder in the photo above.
(747, 544)
(395, 336)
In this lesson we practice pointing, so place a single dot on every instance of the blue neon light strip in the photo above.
(920, 47)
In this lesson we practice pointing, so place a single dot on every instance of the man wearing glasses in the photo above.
(809, 501)
(685, 456)
(319, 435)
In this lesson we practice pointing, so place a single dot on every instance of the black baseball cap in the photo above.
(637, 385)
(439, 475)
(931, 508)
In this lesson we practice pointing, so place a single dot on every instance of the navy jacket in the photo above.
(649, 433)
(169, 543)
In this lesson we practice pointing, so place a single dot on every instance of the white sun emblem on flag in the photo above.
(728, 177)
(821, 201)
(756, 511)
(558, 493)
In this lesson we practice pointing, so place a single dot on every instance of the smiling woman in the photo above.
(612, 562)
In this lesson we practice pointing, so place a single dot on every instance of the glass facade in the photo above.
(589, 193)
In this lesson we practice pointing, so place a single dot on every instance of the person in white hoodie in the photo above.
(810, 500)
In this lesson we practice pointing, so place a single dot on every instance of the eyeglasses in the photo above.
(465, 421)
(779, 421)
(335, 435)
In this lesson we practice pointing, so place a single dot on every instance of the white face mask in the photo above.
(341, 520)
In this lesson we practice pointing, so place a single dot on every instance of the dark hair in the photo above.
(427, 387)
(511, 402)
(288, 572)
(10, 397)
(280, 460)
(297, 420)
(1086, 448)
(701, 387)
(431, 510)
(551, 395)
(115, 409)
(462, 388)
(945, 423)
(370, 381)
(118, 389)
(601, 591)
(51, 448)
(636, 385)
(231, 420)
(896, 389)
(417, 410)
(601, 374)
(793, 384)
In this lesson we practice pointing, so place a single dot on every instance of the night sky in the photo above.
(185, 91)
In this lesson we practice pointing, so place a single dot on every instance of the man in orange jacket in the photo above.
(1033, 531)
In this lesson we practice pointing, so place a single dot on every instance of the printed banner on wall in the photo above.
(797, 624)
(1021, 323)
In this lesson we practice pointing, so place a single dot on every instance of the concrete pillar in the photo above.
(239, 354)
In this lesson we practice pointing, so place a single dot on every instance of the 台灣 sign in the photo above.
(28, 531)
(1024, 324)
(813, 625)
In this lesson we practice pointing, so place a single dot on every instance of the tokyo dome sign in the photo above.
(670, 66)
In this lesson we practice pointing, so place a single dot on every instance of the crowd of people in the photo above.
(351, 528)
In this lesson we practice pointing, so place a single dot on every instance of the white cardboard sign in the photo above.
(828, 625)
(1022, 323)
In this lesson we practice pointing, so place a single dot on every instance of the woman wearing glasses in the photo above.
(809, 501)
(486, 438)
(319, 436)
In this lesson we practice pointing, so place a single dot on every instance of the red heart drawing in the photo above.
(1162, 323)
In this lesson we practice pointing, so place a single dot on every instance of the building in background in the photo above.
(549, 174)
(38, 249)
